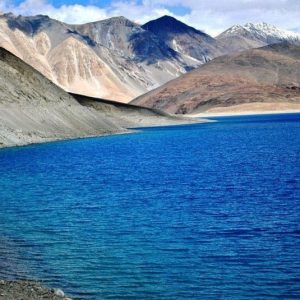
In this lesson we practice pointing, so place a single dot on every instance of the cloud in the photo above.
(212, 16)
(67, 13)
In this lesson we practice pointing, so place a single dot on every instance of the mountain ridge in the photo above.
(185, 39)
(265, 75)
(254, 35)
(116, 58)
(133, 60)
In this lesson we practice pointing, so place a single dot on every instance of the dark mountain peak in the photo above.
(26, 18)
(7, 15)
(171, 25)
(30, 25)
(184, 39)
(168, 20)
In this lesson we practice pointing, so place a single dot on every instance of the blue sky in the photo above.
(211, 16)
(178, 9)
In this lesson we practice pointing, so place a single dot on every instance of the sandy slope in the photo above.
(251, 109)
(130, 116)
(34, 110)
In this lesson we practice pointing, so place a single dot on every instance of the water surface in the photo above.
(208, 211)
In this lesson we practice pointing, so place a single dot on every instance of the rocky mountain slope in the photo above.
(268, 75)
(186, 40)
(238, 38)
(33, 109)
(113, 59)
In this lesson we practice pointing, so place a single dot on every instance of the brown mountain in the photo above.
(267, 78)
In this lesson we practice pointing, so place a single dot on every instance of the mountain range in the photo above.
(118, 59)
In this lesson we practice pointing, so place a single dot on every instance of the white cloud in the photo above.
(212, 16)
(67, 13)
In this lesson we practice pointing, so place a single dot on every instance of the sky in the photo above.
(211, 16)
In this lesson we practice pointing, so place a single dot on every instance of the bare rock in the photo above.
(58, 292)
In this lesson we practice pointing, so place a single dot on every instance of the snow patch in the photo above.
(264, 31)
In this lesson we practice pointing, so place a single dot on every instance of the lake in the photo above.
(204, 211)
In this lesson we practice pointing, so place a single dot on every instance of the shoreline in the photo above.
(246, 113)
(132, 130)
(53, 140)
(205, 118)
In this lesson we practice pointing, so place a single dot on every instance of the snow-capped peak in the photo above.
(264, 32)
(271, 30)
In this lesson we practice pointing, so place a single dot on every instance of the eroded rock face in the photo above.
(114, 59)
(42, 43)
(266, 75)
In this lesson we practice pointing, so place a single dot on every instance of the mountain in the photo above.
(126, 39)
(267, 78)
(238, 38)
(64, 57)
(114, 59)
(186, 40)
(117, 59)
(33, 109)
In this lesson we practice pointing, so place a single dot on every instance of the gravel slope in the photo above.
(34, 110)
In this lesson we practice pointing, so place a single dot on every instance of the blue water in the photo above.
(207, 211)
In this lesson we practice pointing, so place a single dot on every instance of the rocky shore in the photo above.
(29, 290)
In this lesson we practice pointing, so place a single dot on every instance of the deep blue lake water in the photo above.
(207, 211)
